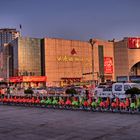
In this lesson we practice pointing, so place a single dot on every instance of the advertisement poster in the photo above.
(108, 65)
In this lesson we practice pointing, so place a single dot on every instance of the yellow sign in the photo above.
(85, 61)
(70, 59)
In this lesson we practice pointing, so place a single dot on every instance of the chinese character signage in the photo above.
(134, 43)
(34, 78)
(108, 65)
(28, 79)
(16, 79)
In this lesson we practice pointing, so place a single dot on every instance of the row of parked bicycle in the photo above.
(131, 105)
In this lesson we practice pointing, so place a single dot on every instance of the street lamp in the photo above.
(92, 42)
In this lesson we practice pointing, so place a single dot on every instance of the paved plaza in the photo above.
(28, 123)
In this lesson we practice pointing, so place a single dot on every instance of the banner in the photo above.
(16, 79)
(27, 79)
(108, 65)
(134, 43)
(34, 78)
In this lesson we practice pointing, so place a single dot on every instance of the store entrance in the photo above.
(135, 69)
(135, 73)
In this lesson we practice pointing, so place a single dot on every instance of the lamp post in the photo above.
(92, 42)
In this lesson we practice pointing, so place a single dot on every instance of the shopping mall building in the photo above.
(68, 61)
(59, 62)
(127, 59)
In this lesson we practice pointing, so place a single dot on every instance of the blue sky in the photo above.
(72, 19)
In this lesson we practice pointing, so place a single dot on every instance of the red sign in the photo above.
(34, 78)
(108, 65)
(134, 43)
(16, 79)
(27, 79)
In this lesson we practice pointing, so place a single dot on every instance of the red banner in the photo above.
(27, 79)
(134, 43)
(34, 78)
(108, 65)
(16, 79)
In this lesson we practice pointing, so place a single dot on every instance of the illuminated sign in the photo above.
(108, 65)
(34, 78)
(27, 79)
(86, 62)
(16, 79)
(134, 43)
(69, 59)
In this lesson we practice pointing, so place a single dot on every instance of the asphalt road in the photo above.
(25, 123)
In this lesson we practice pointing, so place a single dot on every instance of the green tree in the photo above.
(71, 91)
(133, 91)
(28, 91)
